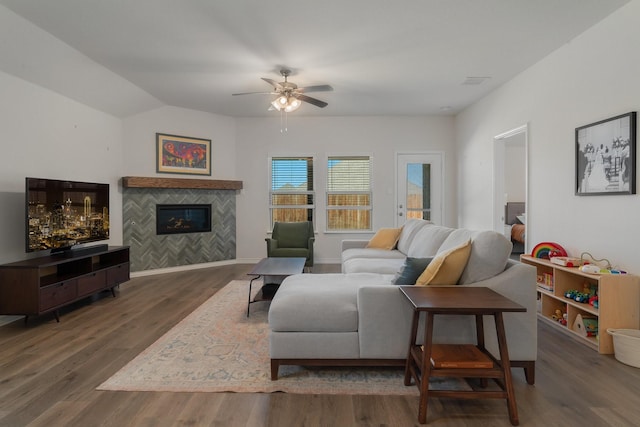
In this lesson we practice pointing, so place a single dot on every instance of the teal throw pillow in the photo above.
(411, 270)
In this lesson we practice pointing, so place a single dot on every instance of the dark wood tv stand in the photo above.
(46, 284)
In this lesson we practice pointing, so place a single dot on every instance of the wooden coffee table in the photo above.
(475, 301)
(278, 267)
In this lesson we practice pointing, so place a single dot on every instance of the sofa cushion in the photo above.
(373, 265)
(320, 302)
(408, 233)
(428, 240)
(411, 270)
(489, 253)
(290, 252)
(385, 238)
(358, 253)
(447, 267)
(489, 256)
(294, 235)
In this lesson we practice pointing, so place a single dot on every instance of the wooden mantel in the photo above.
(204, 184)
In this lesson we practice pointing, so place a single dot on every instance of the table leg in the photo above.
(484, 382)
(249, 300)
(506, 368)
(412, 343)
(425, 369)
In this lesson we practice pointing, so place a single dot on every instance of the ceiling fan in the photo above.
(289, 95)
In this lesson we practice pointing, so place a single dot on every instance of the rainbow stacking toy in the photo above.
(546, 250)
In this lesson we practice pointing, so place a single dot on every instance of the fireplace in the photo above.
(178, 219)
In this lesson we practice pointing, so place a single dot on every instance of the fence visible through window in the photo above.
(349, 201)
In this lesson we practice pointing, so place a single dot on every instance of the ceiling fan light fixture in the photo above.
(275, 105)
(292, 104)
(286, 103)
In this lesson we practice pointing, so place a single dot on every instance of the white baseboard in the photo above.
(213, 264)
(5, 320)
(182, 268)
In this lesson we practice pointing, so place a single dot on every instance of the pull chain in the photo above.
(286, 120)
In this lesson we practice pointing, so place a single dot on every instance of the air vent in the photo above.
(470, 81)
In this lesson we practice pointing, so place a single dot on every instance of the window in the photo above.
(291, 198)
(349, 193)
(419, 191)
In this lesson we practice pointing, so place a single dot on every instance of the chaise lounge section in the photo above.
(359, 317)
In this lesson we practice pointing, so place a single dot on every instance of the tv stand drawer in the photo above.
(58, 294)
(117, 274)
(92, 283)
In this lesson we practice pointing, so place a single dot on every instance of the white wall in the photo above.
(514, 171)
(593, 77)
(50, 136)
(381, 137)
(140, 140)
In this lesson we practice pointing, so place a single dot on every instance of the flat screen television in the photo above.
(62, 214)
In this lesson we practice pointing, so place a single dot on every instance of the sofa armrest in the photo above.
(272, 244)
(354, 244)
(384, 322)
(310, 244)
(518, 283)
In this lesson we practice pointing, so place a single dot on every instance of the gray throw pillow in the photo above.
(411, 270)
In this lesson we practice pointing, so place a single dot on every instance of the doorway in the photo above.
(419, 187)
(510, 195)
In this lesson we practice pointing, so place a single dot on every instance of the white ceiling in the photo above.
(382, 57)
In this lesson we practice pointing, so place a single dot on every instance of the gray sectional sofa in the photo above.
(359, 317)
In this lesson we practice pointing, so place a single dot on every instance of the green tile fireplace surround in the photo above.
(152, 251)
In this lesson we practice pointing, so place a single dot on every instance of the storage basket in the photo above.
(626, 344)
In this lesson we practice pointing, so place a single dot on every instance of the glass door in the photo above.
(419, 187)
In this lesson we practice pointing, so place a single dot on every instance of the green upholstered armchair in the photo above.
(292, 239)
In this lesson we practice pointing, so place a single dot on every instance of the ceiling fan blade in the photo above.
(311, 100)
(273, 83)
(318, 88)
(254, 93)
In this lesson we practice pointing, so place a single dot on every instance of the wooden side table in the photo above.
(475, 301)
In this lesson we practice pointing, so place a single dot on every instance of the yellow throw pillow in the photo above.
(446, 268)
(385, 238)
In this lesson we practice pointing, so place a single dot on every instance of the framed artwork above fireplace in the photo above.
(183, 155)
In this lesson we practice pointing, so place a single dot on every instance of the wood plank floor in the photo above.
(49, 372)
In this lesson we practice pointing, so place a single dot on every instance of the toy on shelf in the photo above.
(585, 325)
(547, 250)
(594, 266)
(560, 317)
(545, 281)
(594, 260)
(571, 294)
(582, 297)
(566, 261)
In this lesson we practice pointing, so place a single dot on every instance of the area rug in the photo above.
(217, 348)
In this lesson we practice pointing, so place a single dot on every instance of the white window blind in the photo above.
(291, 196)
(349, 193)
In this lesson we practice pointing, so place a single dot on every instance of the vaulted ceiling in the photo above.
(405, 57)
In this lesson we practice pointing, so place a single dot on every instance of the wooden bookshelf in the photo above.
(618, 301)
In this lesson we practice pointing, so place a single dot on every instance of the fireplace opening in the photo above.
(176, 219)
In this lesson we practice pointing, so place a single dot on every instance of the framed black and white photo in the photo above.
(606, 156)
